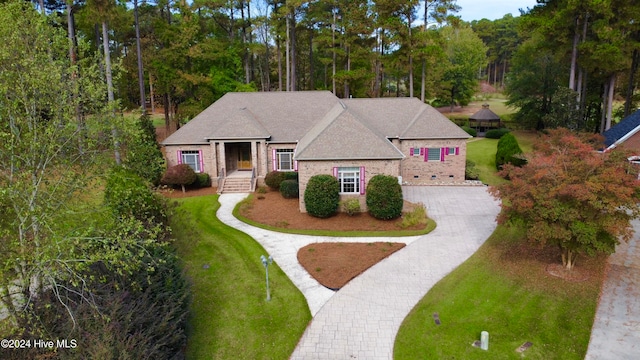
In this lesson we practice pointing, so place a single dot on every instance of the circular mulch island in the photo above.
(573, 275)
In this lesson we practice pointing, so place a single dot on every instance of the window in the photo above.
(416, 152)
(191, 158)
(349, 178)
(285, 159)
(434, 154)
(451, 151)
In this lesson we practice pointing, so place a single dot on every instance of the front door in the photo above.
(244, 158)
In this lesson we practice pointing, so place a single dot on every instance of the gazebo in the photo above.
(484, 120)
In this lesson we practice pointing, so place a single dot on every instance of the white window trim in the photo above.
(185, 154)
(349, 173)
(279, 153)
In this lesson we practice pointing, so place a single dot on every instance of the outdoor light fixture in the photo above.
(266, 261)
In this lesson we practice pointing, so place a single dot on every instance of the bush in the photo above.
(496, 133)
(289, 189)
(181, 174)
(384, 197)
(417, 216)
(202, 180)
(291, 175)
(470, 171)
(509, 152)
(322, 196)
(274, 178)
(351, 206)
(143, 155)
(470, 131)
(128, 195)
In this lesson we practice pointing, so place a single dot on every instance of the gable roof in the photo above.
(322, 125)
(333, 138)
(623, 130)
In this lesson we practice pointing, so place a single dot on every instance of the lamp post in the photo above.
(266, 261)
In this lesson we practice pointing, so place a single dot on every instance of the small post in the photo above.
(266, 261)
(484, 340)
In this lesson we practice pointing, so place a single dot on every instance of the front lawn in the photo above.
(229, 315)
(504, 289)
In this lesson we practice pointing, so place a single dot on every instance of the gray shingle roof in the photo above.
(325, 126)
(622, 130)
(484, 114)
(344, 134)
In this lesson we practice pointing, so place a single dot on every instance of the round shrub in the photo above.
(274, 178)
(291, 175)
(181, 174)
(509, 151)
(289, 189)
(470, 131)
(202, 180)
(322, 196)
(496, 133)
(384, 197)
(470, 171)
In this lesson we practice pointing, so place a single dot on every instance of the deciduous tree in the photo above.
(571, 196)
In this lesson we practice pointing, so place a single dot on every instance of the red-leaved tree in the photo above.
(571, 195)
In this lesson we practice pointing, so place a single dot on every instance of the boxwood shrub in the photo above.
(274, 178)
(322, 196)
(496, 133)
(289, 189)
(384, 197)
(202, 180)
(470, 131)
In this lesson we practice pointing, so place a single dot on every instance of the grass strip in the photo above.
(500, 289)
(229, 315)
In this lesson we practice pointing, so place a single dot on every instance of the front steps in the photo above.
(236, 185)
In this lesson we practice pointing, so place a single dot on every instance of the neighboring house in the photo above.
(625, 134)
(314, 132)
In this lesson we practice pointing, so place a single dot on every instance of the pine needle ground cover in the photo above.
(506, 289)
(229, 315)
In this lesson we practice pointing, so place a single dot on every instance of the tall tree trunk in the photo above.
(279, 51)
(347, 68)
(245, 45)
(612, 86)
(143, 98)
(333, 48)
(311, 69)
(631, 87)
(287, 55)
(294, 57)
(110, 97)
(574, 55)
(410, 54)
(73, 58)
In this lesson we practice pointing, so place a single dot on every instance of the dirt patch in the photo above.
(335, 264)
(177, 193)
(577, 274)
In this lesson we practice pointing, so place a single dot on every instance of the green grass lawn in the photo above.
(229, 315)
(502, 291)
(482, 152)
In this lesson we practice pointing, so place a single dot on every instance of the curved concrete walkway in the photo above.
(362, 319)
(616, 328)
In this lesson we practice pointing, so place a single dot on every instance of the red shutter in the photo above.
(335, 172)
(295, 165)
(442, 150)
(201, 161)
(274, 160)
(457, 150)
(179, 156)
(426, 154)
(362, 182)
(411, 152)
(421, 151)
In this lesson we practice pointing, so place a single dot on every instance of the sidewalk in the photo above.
(616, 328)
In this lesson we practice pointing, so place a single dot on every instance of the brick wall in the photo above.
(307, 169)
(417, 171)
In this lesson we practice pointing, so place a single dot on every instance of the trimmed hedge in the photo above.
(384, 197)
(289, 189)
(470, 131)
(274, 178)
(202, 180)
(496, 133)
(509, 152)
(322, 196)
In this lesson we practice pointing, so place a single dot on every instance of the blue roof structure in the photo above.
(622, 130)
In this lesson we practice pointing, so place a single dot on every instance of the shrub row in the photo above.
(496, 133)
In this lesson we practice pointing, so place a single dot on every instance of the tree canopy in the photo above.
(571, 196)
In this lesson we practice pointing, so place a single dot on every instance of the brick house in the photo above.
(243, 136)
